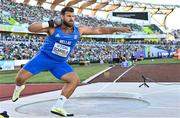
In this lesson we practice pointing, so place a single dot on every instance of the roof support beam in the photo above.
(85, 5)
(73, 2)
(26, 2)
(164, 21)
(99, 6)
(40, 2)
(113, 7)
(55, 3)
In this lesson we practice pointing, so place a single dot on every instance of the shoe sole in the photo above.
(15, 100)
(68, 115)
(18, 97)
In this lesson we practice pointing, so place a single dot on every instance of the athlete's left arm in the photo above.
(101, 30)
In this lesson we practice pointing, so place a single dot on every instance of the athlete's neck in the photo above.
(66, 29)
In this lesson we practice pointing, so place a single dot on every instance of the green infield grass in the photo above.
(84, 73)
(160, 61)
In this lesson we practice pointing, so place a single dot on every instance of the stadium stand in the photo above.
(176, 34)
(18, 13)
(23, 46)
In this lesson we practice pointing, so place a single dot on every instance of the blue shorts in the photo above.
(41, 62)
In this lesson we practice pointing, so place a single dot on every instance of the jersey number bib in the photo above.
(61, 50)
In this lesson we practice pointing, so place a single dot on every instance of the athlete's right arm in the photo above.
(38, 27)
(44, 26)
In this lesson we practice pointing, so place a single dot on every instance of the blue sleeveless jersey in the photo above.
(59, 45)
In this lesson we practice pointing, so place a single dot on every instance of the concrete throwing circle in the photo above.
(87, 106)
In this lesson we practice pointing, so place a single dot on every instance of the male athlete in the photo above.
(62, 38)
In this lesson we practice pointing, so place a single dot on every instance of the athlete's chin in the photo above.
(71, 24)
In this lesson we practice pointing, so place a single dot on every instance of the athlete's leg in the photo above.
(72, 81)
(67, 74)
(64, 72)
(22, 76)
(37, 64)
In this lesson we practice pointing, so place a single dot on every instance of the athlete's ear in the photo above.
(62, 17)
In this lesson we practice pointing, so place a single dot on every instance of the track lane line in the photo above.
(105, 86)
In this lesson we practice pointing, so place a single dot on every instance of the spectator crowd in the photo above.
(25, 14)
(17, 47)
(90, 50)
(25, 46)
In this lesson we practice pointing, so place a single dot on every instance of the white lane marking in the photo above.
(105, 86)
(92, 77)
(123, 74)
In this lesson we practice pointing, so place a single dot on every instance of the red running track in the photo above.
(6, 90)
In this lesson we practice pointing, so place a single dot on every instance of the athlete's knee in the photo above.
(74, 81)
(71, 78)
(21, 77)
(77, 81)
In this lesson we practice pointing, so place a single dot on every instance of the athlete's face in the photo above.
(68, 19)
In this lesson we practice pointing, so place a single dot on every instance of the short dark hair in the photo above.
(65, 9)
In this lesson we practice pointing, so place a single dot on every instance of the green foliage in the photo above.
(147, 30)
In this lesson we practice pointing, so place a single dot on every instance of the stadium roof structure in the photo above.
(107, 6)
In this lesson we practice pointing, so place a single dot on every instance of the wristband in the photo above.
(45, 24)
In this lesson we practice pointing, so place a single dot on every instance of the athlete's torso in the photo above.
(59, 45)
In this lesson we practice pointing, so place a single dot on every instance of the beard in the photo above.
(67, 24)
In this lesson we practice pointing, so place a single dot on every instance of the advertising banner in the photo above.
(7, 64)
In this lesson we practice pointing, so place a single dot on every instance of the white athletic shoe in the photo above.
(61, 112)
(17, 93)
